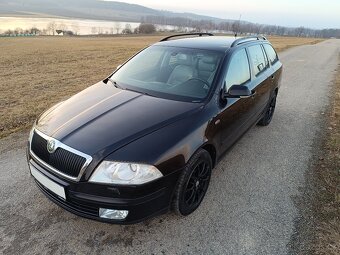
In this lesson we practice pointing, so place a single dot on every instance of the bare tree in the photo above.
(280, 30)
(127, 29)
(299, 31)
(94, 30)
(44, 31)
(62, 27)
(8, 32)
(117, 27)
(18, 31)
(75, 28)
(146, 28)
(235, 27)
(51, 28)
(34, 31)
(128, 26)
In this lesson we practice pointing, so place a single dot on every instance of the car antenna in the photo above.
(238, 25)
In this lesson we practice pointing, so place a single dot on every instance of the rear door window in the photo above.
(271, 53)
(258, 59)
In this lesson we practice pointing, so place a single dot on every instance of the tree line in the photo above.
(143, 28)
(175, 24)
(239, 27)
(52, 28)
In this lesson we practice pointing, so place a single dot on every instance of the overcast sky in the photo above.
(308, 13)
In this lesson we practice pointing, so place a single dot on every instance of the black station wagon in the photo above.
(145, 139)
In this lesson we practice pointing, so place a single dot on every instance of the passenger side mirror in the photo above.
(119, 66)
(237, 91)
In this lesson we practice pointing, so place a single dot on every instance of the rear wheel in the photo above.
(193, 183)
(267, 118)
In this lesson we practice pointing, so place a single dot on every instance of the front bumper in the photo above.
(85, 199)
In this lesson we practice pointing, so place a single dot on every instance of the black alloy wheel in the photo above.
(193, 183)
(268, 116)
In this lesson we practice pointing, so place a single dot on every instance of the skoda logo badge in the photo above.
(51, 146)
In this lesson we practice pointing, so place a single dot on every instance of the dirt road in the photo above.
(249, 208)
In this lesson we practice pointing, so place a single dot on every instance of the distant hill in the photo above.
(90, 9)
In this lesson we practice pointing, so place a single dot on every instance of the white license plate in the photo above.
(47, 183)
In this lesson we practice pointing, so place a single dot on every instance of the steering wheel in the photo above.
(198, 79)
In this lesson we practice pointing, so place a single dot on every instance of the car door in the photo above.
(234, 111)
(261, 81)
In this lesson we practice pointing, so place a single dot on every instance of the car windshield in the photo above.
(170, 72)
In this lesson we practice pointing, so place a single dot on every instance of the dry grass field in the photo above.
(283, 43)
(35, 73)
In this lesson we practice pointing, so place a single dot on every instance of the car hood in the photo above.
(102, 118)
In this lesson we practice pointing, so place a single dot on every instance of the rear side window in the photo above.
(258, 59)
(271, 53)
(238, 72)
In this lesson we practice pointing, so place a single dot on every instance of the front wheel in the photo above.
(267, 118)
(193, 183)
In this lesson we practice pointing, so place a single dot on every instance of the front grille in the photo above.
(63, 160)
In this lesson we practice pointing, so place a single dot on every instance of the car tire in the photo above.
(268, 116)
(193, 183)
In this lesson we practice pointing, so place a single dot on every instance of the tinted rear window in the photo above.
(258, 60)
(270, 53)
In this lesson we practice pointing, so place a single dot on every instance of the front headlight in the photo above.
(124, 173)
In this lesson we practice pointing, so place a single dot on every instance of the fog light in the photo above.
(113, 214)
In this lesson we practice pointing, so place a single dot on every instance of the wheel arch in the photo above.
(210, 148)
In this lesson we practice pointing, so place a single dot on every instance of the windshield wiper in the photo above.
(115, 84)
(120, 87)
(140, 92)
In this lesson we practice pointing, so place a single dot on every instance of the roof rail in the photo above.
(186, 34)
(248, 39)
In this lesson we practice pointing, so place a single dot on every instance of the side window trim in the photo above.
(246, 83)
(265, 57)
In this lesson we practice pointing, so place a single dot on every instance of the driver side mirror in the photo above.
(118, 67)
(237, 91)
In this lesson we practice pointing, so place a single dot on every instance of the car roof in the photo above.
(216, 43)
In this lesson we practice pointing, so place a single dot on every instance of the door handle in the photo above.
(273, 77)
